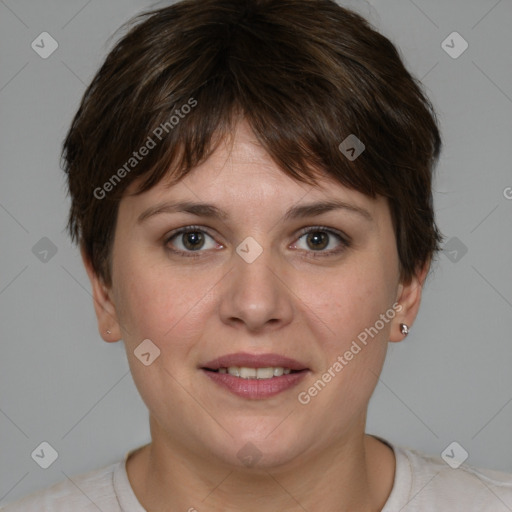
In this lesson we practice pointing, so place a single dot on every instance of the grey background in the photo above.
(59, 382)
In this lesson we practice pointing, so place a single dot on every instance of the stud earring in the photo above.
(108, 332)
(404, 329)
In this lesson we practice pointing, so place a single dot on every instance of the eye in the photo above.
(319, 238)
(189, 240)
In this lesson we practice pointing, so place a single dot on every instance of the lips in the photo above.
(243, 359)
(227, 372)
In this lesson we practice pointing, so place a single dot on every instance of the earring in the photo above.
(404, 329)
(108, 332)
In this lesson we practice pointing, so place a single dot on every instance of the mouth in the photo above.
(255, 376)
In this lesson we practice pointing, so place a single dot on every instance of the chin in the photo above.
(263, 452)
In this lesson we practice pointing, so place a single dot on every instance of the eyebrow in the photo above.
(212, 211)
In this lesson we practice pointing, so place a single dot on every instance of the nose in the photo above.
(256, 295)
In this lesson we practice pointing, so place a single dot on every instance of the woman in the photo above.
(251, 192)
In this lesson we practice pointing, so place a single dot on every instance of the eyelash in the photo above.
(345, 242)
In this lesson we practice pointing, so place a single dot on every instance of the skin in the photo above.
(314, 456)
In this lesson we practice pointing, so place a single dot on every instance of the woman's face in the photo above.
(255, 283)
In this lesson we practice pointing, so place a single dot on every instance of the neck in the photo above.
(356, 474)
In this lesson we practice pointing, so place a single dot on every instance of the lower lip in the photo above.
(256, 388)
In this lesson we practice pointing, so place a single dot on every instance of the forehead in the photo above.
(241, 174)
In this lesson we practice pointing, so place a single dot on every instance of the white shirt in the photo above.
(422, 484)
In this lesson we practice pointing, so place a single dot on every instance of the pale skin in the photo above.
(313, 457)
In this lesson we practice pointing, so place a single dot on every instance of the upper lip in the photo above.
(254, 361)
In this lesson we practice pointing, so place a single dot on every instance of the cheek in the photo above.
(170, 308)
(344, 311)
(345, 303)
(161, 303)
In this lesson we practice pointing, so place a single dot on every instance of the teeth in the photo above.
(248, 373)
(255, 373)
(234, 370)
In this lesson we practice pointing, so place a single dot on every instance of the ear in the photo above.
(103, 304)
(409, 298)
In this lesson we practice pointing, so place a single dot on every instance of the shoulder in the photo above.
(90, 491)
(427, 483)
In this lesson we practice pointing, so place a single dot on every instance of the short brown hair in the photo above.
(304, 74)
